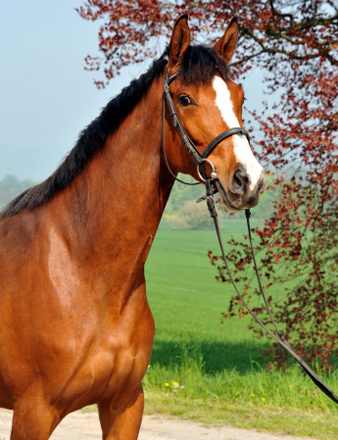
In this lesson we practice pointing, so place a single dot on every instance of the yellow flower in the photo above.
(149, 366)
(252, 395)
(263, 398)
(176, 384)
(166, 384)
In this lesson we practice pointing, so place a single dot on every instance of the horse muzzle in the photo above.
(242, 192)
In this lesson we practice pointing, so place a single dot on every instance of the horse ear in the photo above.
(180, 40)
(227, 44)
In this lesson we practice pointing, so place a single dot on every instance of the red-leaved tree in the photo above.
(295, 43)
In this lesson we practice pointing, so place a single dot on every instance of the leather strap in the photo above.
(187, 142)
(279, 337)
(213, 144)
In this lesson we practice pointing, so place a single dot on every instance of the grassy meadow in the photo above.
(212, 372)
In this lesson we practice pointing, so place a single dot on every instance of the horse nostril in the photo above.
(237, 178)
(239, 181)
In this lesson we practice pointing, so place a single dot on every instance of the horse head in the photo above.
(208, 104)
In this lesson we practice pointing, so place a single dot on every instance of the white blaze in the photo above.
(242, 148)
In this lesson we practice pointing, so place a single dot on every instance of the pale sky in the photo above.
(46, 96)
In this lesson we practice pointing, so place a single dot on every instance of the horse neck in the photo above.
(121, 194)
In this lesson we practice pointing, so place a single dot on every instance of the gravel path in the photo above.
(157, 427)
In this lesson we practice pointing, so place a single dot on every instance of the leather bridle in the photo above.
(200, 160)
(197, 156)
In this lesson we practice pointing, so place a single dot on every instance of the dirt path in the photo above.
(86, 426)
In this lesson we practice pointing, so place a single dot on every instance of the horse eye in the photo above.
(185, 100)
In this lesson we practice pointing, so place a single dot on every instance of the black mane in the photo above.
(199, 65)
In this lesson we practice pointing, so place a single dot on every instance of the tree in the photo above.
(11, 187)
(296, 44)
(192, 216)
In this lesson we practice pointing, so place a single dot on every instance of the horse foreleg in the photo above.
(123, 424)
(33, 420)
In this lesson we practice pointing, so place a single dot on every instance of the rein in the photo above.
(200, 159)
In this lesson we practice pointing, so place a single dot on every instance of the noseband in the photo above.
(200, 160)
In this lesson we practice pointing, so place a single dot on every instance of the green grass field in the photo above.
(212, 372)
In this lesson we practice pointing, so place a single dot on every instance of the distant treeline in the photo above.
(181, 212)
(11, 186)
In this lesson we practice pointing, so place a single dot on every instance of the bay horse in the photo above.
(76, 328)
